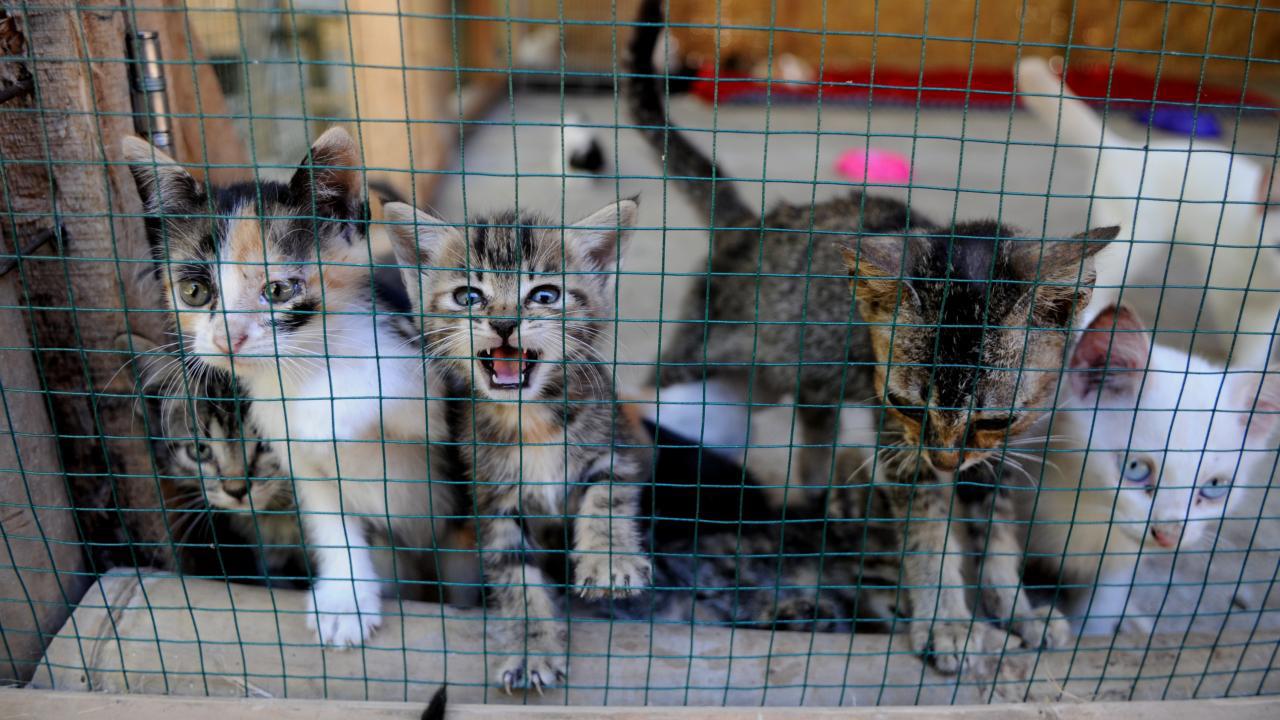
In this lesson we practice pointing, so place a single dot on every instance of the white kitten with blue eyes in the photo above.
(1172, 443)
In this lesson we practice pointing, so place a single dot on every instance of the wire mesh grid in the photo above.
(510, 384)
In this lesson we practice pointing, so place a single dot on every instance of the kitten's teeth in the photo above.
(493, 377)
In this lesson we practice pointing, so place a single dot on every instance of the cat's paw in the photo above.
(804, 614)
(955, 646)
(343, 613)
(1047, 628)
(533, 672)
(604, 575)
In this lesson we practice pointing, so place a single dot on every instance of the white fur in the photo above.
(1188, 420)
(1217, 235)
(335, 414)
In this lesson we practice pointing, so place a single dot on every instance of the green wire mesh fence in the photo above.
(734, 353)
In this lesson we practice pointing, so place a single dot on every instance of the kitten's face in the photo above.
(1173, 437)
(211, 447)
(236, 472)
(511, 303)
(242, 267)
(968, 349)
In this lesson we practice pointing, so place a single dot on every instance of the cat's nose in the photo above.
(1166, 535)
(504, 328)
(945, 460)
(233, 345)
(237, 489)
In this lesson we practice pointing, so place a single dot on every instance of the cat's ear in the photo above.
(418, 240)
(1064, 274)
(1259, 392)
(165, 186)
(329, 176)
(600, 239)
(876, 267)
(1110, 355)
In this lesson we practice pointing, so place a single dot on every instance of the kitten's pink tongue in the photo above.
(507, 364)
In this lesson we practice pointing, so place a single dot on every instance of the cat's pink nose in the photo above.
(1164, 538)
(220, 342)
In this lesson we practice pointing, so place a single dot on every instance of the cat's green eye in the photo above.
(279, 291)
(467, 296)
(199, 452)
(194, 292)
(544, 295)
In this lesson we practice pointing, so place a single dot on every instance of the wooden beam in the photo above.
(58, 146)
(40, 703)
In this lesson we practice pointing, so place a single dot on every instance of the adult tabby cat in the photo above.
(270, 282)
(961, 330)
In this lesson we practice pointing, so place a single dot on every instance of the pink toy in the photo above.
(874, 166)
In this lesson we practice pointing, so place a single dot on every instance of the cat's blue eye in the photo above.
(544, 295)
(467, 296)
(1217, 488)
(279, 291)
(199, 452)
(1137, 471)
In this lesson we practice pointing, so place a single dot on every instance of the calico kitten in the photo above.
(270, 281)
(514, 315)
(1194, 215)
(960, 330)
(1155, 446)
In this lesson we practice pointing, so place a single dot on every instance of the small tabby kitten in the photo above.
(226, 477)
(960, 330)
(514, 314)
(228, 467)
(271, 282)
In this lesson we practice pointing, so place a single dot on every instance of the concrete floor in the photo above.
(983, 164)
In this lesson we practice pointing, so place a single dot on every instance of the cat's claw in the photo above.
(601, 576)
(534, 673)
(343, 614)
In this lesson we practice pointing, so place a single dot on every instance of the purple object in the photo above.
(875, 166)
(1181, 120)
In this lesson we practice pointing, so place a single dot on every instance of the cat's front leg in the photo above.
(942, 626)
(609, 559)
(1001, 576)
(529, 627)
(345, 607)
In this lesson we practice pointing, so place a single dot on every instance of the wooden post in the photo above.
(194, 92)
(58, 144)
(395, 97)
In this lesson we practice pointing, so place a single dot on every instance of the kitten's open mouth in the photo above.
(509, 368)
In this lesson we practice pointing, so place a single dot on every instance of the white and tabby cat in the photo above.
(1150, 448)
(1195, 215)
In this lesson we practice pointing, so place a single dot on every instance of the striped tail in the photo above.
(691, 170)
